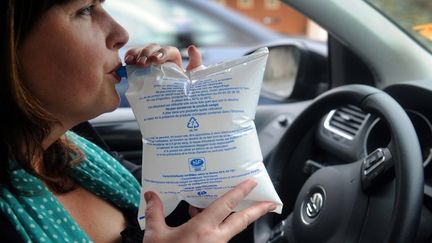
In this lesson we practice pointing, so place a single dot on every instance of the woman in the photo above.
(60, 60)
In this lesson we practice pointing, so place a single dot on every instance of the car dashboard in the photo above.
(351, 133)
(348, 134)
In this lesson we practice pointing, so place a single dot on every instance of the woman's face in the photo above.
(69, 58)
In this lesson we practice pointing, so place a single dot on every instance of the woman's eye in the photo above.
(86, 11)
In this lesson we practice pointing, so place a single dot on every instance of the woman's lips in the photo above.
(115, 72)
(118, 78)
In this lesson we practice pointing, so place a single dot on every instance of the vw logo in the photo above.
(314, 204)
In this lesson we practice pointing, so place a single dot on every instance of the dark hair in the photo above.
(25, 122)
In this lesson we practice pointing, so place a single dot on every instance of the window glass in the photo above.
(413, 16)
(279, 17)
(170, 23)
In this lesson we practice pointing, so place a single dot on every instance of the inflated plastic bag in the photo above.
(199, 138)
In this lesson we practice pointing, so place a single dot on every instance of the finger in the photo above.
(131, 55)
(195, 59)
(145, 53)
(154, 216)
(140, 54)
(166, 54)
(222, 207)
(239, 221)
(194, 211)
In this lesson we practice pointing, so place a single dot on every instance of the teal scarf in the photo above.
(39, 217)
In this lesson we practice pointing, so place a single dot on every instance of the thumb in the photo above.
(194, 58)
(155, 219)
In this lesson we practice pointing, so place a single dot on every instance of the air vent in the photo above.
(345, 121)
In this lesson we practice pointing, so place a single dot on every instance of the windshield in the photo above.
(413, 16)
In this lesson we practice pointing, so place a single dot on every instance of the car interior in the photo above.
(345, 129)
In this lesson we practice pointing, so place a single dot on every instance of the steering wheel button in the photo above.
(375, 173)
(376, 157)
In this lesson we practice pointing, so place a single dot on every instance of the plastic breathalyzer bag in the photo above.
(199, 137)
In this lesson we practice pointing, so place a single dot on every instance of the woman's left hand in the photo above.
(155, 54)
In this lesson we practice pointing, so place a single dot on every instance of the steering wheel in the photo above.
(375, 199)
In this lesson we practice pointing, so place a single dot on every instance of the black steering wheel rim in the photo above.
(407, 157)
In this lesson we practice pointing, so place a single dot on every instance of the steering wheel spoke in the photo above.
(312, 166)
(282, 232)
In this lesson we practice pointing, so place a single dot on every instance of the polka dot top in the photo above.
(37, 214)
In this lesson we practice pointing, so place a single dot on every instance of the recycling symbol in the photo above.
(192, 123)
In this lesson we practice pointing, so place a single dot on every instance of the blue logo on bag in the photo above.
(197, 164)
(201, 193)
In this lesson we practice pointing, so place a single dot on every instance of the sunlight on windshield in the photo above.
(414, 16)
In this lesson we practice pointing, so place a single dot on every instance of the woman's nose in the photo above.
(117, 37)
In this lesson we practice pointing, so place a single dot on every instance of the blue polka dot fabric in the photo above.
(39, 217)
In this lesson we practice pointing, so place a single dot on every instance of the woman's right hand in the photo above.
(144, 56)
(216, 223)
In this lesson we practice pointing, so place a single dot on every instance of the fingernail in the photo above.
(158, 54)
(129, 59)
(147, 196)
(141, 59)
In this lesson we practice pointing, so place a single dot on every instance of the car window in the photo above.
(222, 31)
(414, 17)
(171, 23)
(275, 15)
